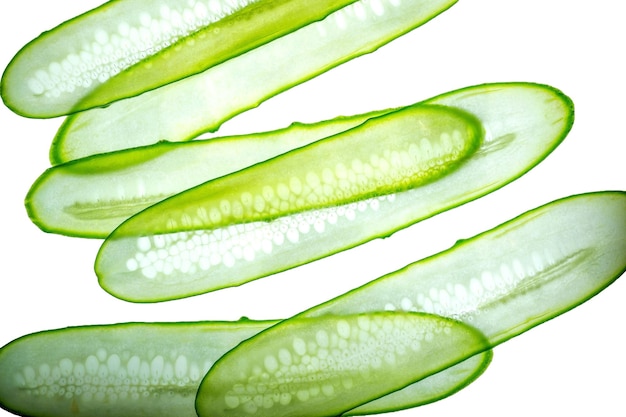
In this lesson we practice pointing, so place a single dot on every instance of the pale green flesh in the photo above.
(155, 369)
(125, 370)
(287, 200)
(430, 389)
(398, 151)
(90, 197)
(325, 367)
(581, 238)
(502, 282)
(522, 124)
(124, 48)
(513, 277)
(201, 103)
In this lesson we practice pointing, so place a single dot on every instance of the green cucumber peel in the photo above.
(91, 196)
(502, 283)
(123, 370)
(513, 277)
(325, 366)
(522, 124)
(201, 103)
(155, 369)
(124, 48)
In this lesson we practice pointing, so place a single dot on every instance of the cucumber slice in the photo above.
(91, 196)
(154, 369)
(502, 282)
(325, 367)
(201, 103)
(522, 124)
(430, 389)
(124, 48)
(127, 369)
(513, 277)
(325, 182)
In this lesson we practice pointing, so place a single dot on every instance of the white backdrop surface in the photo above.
(572, 365)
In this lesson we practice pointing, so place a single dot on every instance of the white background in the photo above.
(572, 365)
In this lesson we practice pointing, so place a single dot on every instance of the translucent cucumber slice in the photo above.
(330, 365)
(124, 48)
(90, 197)
(122, 370)
(513, 277)
(182, 110)
(522, 124)
(286, 202)
(154, 369)
(501, 283)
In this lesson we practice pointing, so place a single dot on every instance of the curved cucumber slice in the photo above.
(399, 151)
(503, 282)
(522, 124)
(91, 196)
(201, 103)
(403, 150)
(326, 366)
(513, 277)
(124, 48)
(430, 389)
(121, 370)
(154, 369)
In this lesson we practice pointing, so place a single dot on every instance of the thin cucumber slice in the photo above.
(522, 124)
(128, 369)
(399, 151)
(326, 366)
(502, 282)
(513, 277)
(153, 369)
(278, 202)
(91, 196)
(124, 48)
(430, 389)
(182, 110)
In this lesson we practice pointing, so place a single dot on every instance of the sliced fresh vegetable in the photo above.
(502, 282)
(430, 389)
(128, 369)
(124, 48)
(513, 277)
(308, 187)
(325, 366)
(201, 103)
(171, 250)
(91, 196)
(152, 369)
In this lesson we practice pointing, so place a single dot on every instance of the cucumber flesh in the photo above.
(513, 277)
(91, 196)
(154, 369)
(201, 103)
(325, 367)
(430, 389)
(124, 48)
(123, 370)
(399, 151)
(502, 282)
(522, 123)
